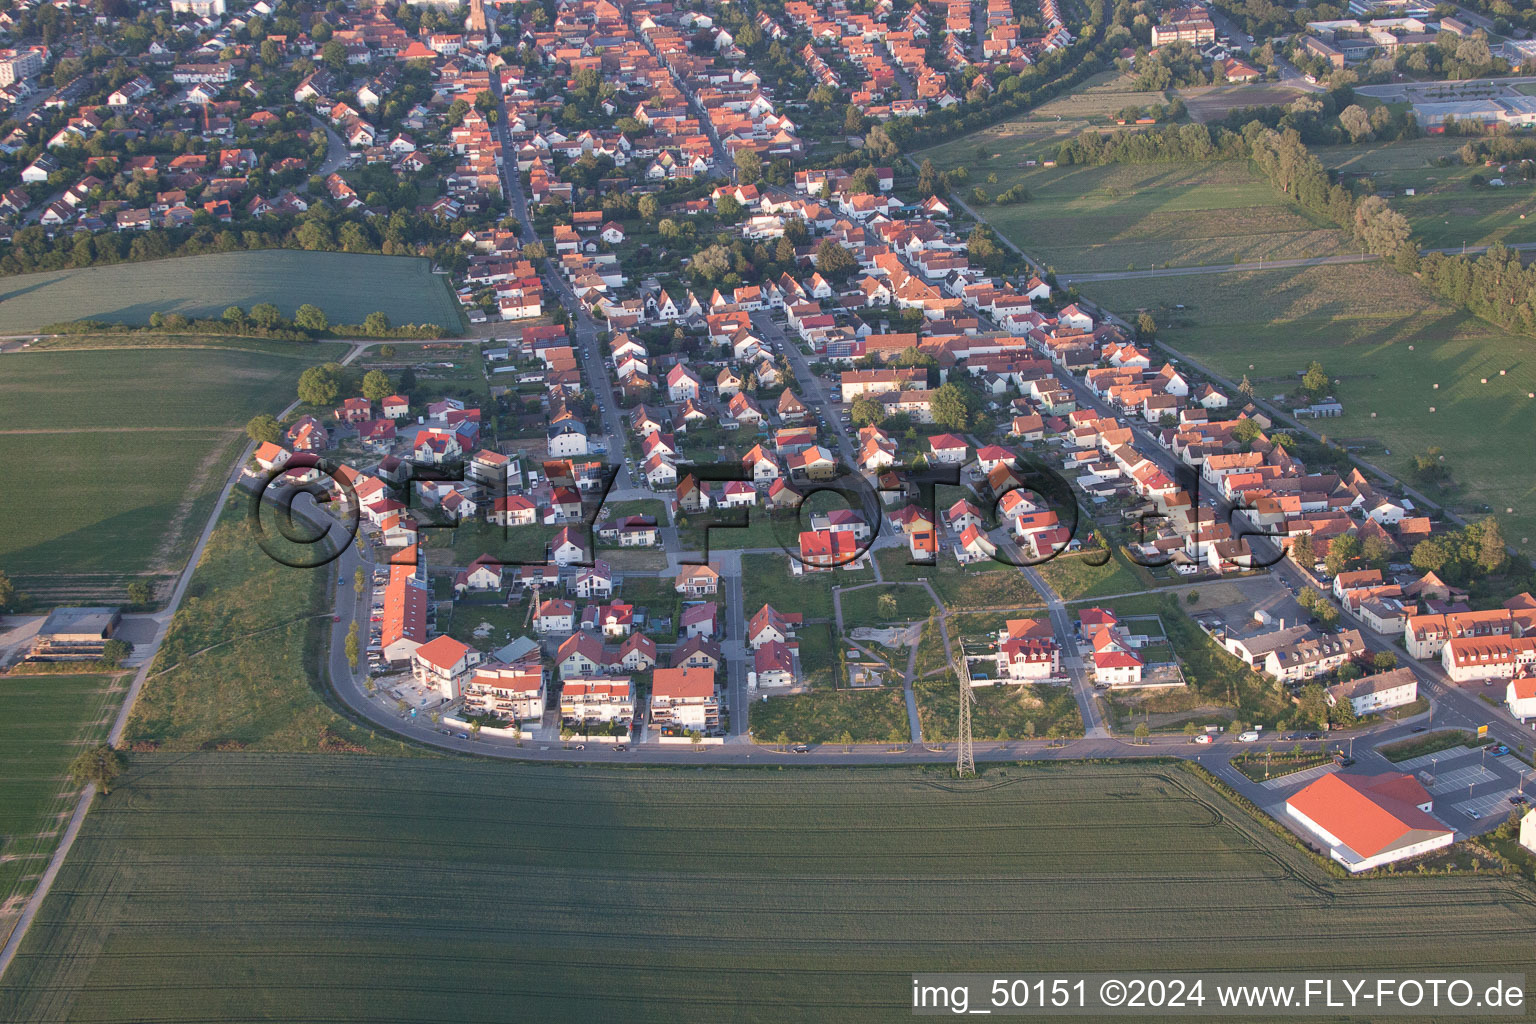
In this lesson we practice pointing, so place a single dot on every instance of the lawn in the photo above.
(862, 607)
(989, 584)
(819, 663)
(766, 579)
(1389, 343)
(1075, 578)
(1429, 743)
(44, 722)
(231, 886)
(1085, 219)
(240, 665)
(123, 452)
(468, 623)
(739, 528)
(869, 716)
(1001, 712)
(348, 286)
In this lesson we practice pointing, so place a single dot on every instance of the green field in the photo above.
(44, 722)
(289, 888)
(1360, 320)
(348, 286)
(1119, 216)
(1005, 711)
(1446, 209)
(122, 452)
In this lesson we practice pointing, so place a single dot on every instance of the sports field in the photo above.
(44, 722)
(1120, 216)
(348, 286)
(115, 455)
(1360, 320)
(1446, 210)
(231, 887)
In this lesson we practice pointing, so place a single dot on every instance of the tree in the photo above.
(1245, 387)
(887, 606)
(648, 206)
(139, 593)
(853, 121)
(375, 324)
(475, 727)
(387, 351)
(312, 318)
(1146, 327)
(535, 251)
(1342, 552)
(318, 386)
(834, 261)
(749, 167)
(1315, 380)
(1312, 705)
(896, 737)
(7, 592)
(782, 739)
(359, 581)
(266, 315)
(1191, 729)
(353, 648)
(234, 315)
(846, 739)
(1384, 661)
(1142, 732)
(950, 407)
(1374, 552)
(1029, 729)
(376, 386)
(1302, 552)
(1246, 432)
(114, 652)
(697, 739)
(100, 765)
(1491, 552)
(1356, 121)
(263, 428)
(1429, 555)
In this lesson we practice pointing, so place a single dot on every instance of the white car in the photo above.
(1204, 737)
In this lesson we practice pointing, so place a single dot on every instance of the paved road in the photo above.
(336, 152)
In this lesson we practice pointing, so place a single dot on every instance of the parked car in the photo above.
(1203, 738)
(800, 748)
(1519, 798)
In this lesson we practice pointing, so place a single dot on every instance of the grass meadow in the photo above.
(1120, 216)
(117, 454)
(224, 887)
(239, 666)
(44, 722)
(1446, 209)
(348, 286)
(1389, 343)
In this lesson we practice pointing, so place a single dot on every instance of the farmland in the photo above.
(1085, 219)
(348, 286)
(124, 451)
(727, 896)
(1389, 343)
(44, 722)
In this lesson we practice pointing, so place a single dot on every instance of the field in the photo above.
(1389, 343)
(822, 716)
(348, 286)
(1446, 209)
(228, 887)
(1119, 216)
(1001, 712)
(44, 722)
(1075, 578)
(123, 452)
(766, 579)
(238, 668)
